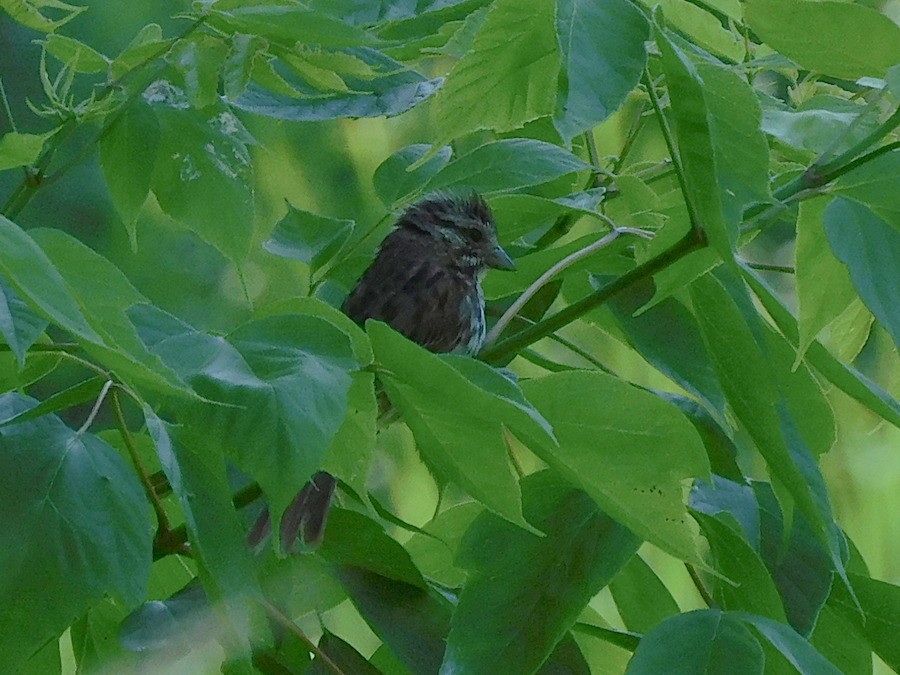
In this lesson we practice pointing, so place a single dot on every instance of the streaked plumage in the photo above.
(425, 282)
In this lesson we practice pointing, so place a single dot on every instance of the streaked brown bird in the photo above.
(425, 282)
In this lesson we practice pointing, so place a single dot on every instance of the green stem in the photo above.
(34, 179)
(673, 151)
(9, 115)
(504, 350)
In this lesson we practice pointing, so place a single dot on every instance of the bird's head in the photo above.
(460, 227)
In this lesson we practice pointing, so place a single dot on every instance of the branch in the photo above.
(283, 620)
(504, 350)
(566, 262)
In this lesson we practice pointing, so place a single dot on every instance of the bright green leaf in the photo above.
(870, 248)
(77, 55)
(508, 78)
(628, 449)
(31, 13)
(602, 51)
(458, 422)
(308, 237)
(820, 303)
(641, 597)
(21, 149)
(840, 39)
(506, 165)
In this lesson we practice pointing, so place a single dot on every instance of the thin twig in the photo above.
(96, 409)
(701, 587)
(162, 517)
(673, 151)
(9, 115)
(767, 267)
(555, 269)
(285, 621)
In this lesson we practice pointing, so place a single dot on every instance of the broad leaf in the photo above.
(641, 597)
(840, 39)
(75, 527)
(703, 641)
(506, 594)
(628, 449)
(870, 248)
(507, 165)
(602, 51)
(508, 78)
(308, 237)
(19, 326)
(203, 175)
(128, 156)
(395, 183)
(458, 417)
(281, 384)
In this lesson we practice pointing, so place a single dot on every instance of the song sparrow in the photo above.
(425, 282)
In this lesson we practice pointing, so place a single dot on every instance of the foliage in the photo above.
(739, 120)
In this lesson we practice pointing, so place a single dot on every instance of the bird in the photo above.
(424, 282)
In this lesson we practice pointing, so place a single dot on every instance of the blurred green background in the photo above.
(327, 168)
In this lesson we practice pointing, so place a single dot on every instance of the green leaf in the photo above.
(21, 149)
(801, 655)
(703, 27)
(824, 125)
(199, 58)
(765, 400)
(833, 38)
(799, 564)
(508, 78)
(702, 641)
(216, 534)
(850, 381)
(171, 627)
(38, 281)
(395, 183)
(641, 597)
(506, 593)
(19, 326)
(703, 163)
(29, 13)
(870, 248)
(820, 304)
(505, 165)
(435, 552)
(127, 156)
(97, 284)
(628, 449)
(85, 391)
(669, 338)
(394, 91)
(411, 621)
(603, 55)
(309, 237)
(287, 24)
(840, 642)
(146, 46)
(880, 603)
(75, 527)
(238, 66)
(202, 177)
(77, 55)
(747, 584)
(354, 540)
(344, 656)
(457, 410)
(872, 184)
(291, 371)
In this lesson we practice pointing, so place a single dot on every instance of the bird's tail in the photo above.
(303, 519)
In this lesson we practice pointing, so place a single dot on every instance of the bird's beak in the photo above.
(499, 259)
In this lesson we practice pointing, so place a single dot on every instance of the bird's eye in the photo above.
(476, 235)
